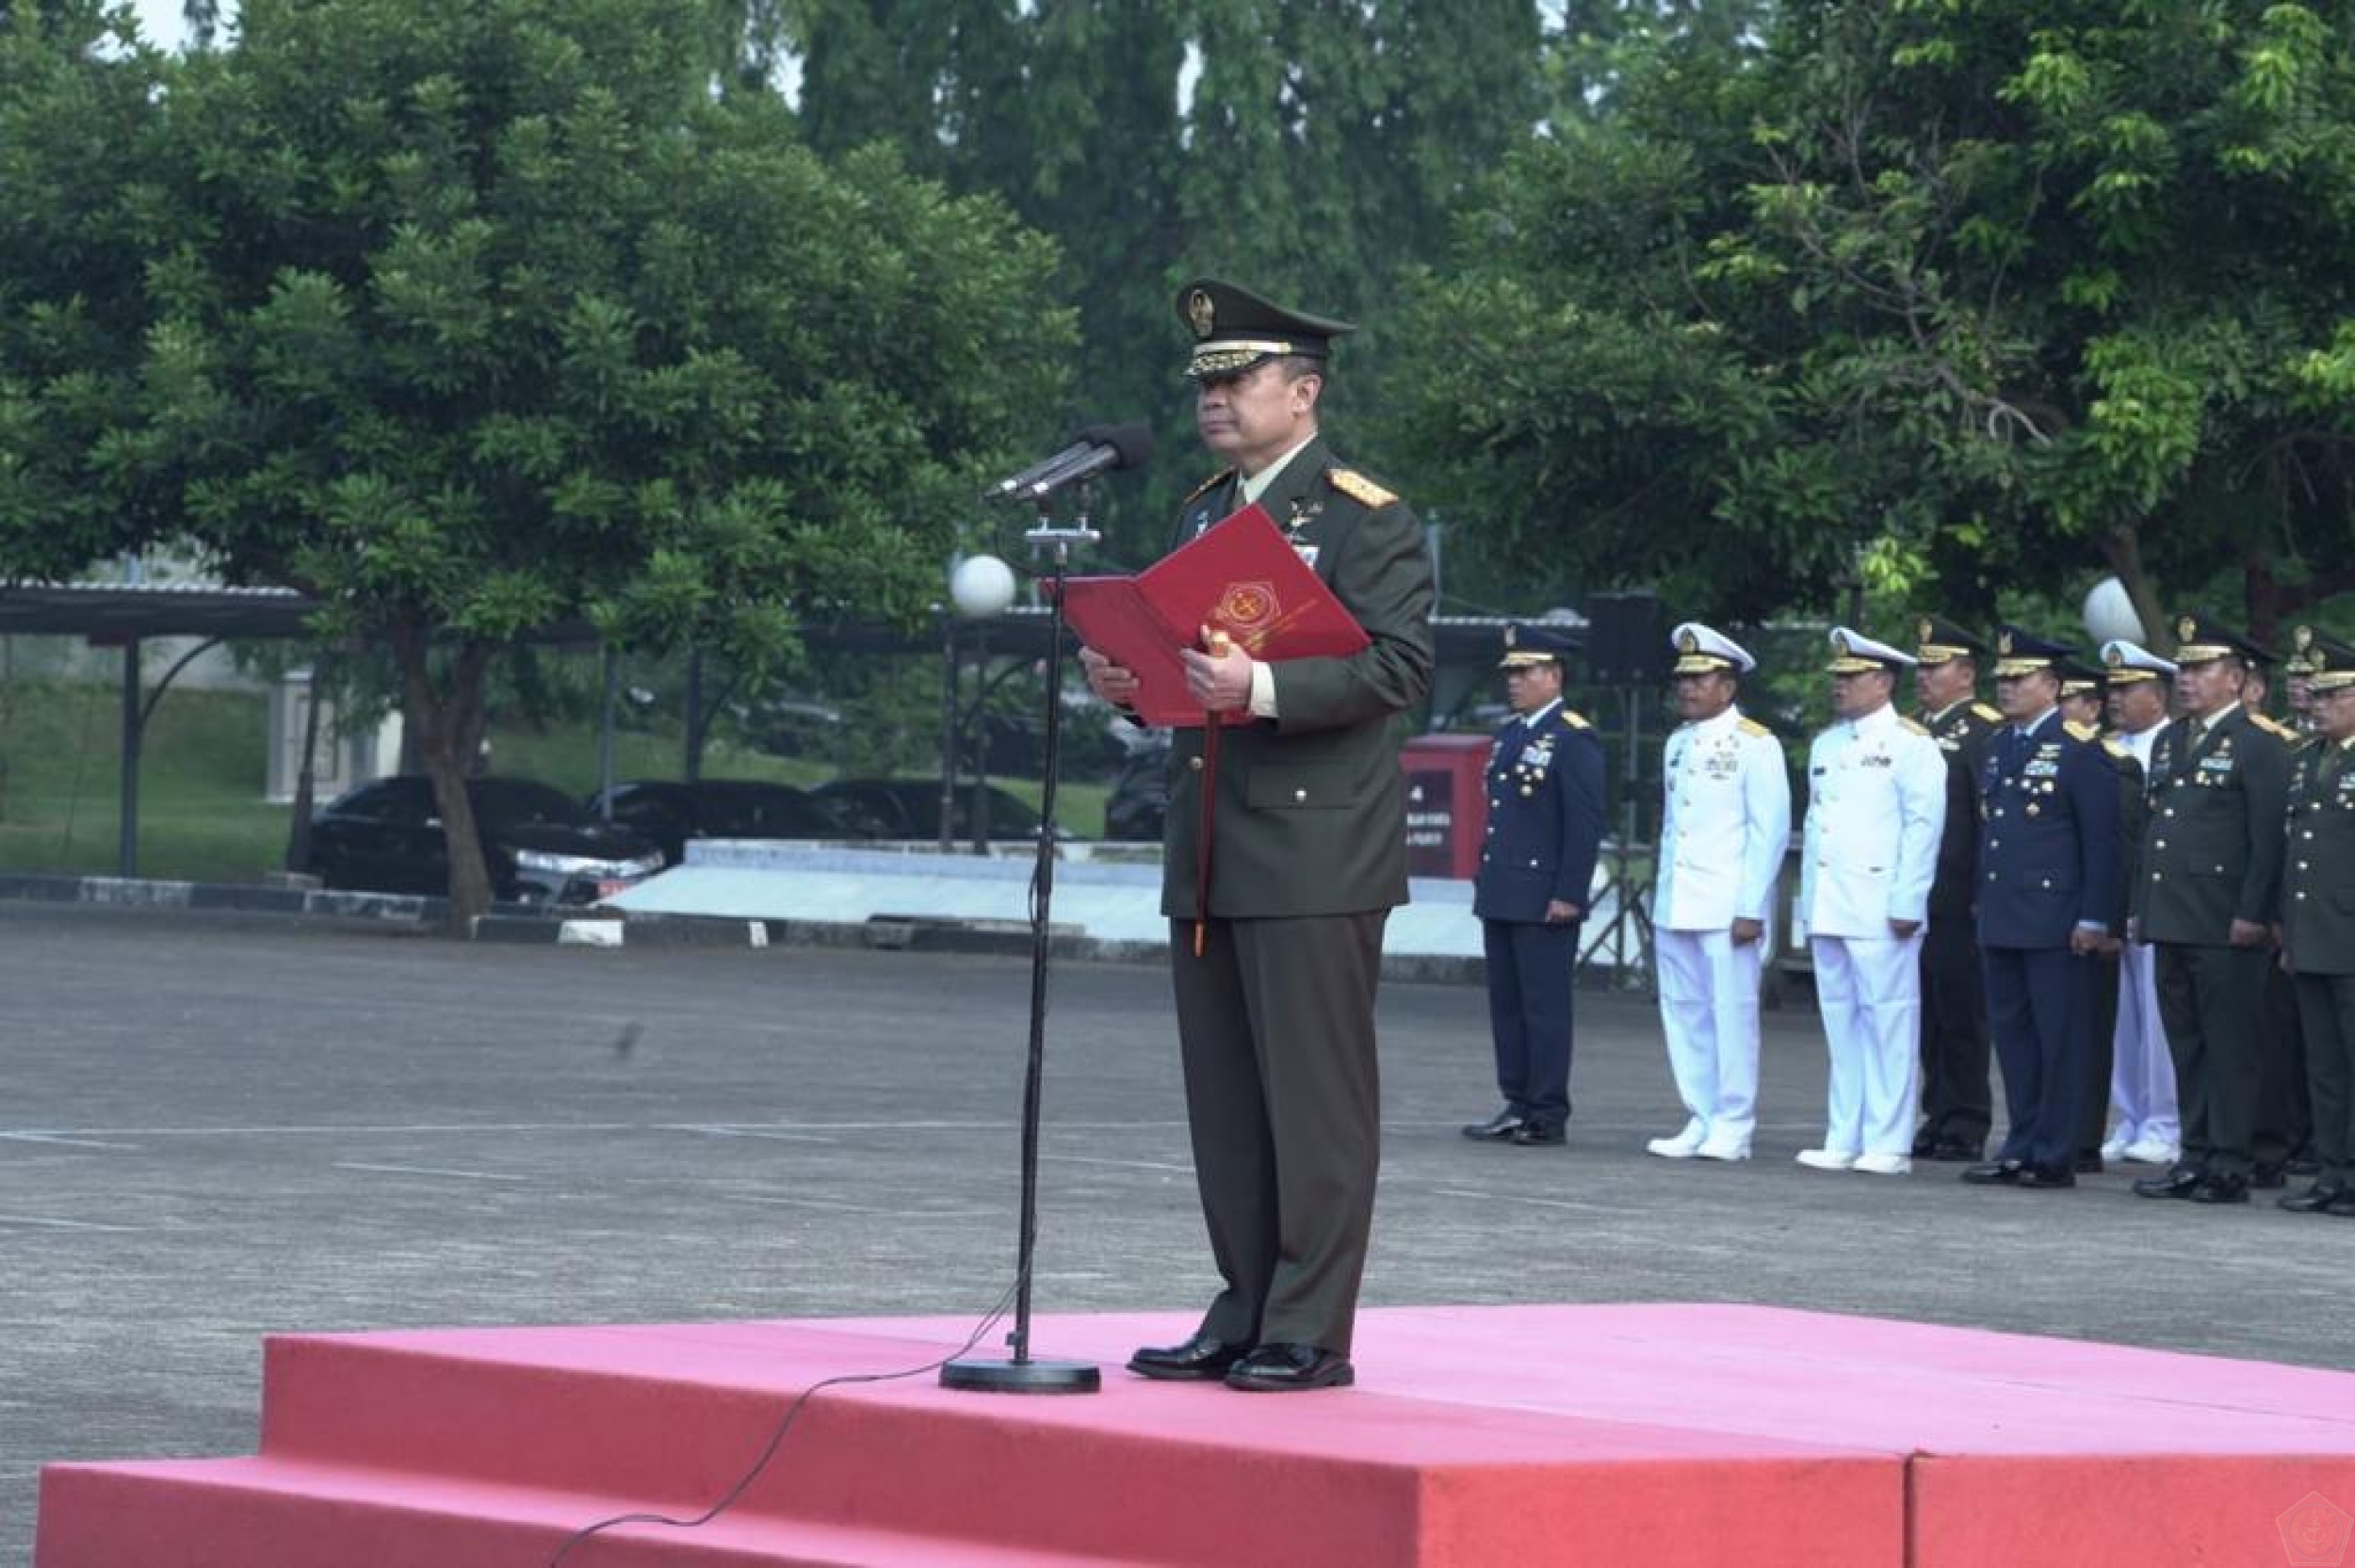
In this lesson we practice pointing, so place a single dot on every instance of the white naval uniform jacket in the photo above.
(1875, 805)
(1726, 823)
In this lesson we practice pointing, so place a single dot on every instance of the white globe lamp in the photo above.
(981, 586)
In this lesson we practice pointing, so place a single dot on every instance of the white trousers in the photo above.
(1709, 1012)
(1869, 989)
(2142, 1073)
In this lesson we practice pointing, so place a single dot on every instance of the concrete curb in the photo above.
(525, 925)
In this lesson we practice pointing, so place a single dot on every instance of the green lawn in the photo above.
(202, 816)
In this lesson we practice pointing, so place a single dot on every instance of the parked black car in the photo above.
(540, 846)
(669, 813)
(910, 809)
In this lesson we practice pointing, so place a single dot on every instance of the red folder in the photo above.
(1240, 576)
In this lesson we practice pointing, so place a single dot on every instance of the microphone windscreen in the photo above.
(1132, 443)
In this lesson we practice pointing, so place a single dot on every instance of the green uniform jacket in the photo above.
(2318, 881)
(1310, 816)
(2212, 853)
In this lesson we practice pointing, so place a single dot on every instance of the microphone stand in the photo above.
(1020, 1374)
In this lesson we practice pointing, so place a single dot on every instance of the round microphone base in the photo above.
(1023, 1376)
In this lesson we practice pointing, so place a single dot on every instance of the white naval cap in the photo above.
(1853, 653)
(1704, 649)
(2131, 661)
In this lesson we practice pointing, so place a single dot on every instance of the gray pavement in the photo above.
(213, 1128)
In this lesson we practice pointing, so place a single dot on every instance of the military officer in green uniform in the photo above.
(2205, 898)
(1956, 1099)
(1291, 838)
(2318, 917)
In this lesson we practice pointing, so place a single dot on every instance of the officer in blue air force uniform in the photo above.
(1536, 869)
(2049, 898)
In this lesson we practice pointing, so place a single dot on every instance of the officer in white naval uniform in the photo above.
(2142, 1073)
(1876, 806)
(1726, 823)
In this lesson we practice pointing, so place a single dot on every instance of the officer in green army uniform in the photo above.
(1279, 883)
(2318, 917)
(1957, 1102)
(2205, 898)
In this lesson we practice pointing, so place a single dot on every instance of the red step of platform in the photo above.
(1615, 1436)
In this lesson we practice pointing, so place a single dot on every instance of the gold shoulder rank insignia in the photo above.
(1575, 720)
(1992, 716)
(2082, 731)
(1208, 485)
(1913, 726)
(1358, 488)
(2273, 727)
(1752, 727)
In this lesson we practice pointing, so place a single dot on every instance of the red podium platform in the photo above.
(1617, 1436)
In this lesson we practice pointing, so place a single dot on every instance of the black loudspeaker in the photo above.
(1627, 639)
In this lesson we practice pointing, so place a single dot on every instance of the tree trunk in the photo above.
(2122, 546)
(299, 820)
(448, 727)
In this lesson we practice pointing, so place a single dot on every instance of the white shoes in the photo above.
(1827, 1159)
(2115, 1149)
(2145, 1151)
(1684, 1145)
(1883, 1165)
(1727, 1149)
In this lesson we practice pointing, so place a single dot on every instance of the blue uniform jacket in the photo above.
(1545, 817)
(2048, 838)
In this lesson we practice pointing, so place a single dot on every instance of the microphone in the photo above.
(1100, 448)
(1030, 475)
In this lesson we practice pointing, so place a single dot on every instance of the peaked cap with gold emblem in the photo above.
(2019, 652)
(1704, 649)
(2330, 663)
(2199, 640)
(1235, 329)
(1526, 645)
(2131, 661)
(1939, 640)
(1854, 654)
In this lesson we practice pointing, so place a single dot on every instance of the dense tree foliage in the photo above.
(1963, 294)
(473, 315)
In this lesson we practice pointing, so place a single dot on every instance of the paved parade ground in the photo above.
(215, 1128)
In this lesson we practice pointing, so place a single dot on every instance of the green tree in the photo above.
(473, 315)
(1965, 293)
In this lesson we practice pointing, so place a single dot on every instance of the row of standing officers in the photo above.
(2159, 916)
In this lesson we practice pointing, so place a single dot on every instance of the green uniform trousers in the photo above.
(1276, 1027)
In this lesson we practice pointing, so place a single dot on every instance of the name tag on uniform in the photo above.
(2215, 764)
(2040, 768)
(1879, 759)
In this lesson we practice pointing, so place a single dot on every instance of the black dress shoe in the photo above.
(2341, 1206)
(1282, 1368)
(2049, 1175)
(2181, 1182)
(2089, 1164)
(1959, 1151)
(2221, 1190)
(2269, 1174)
(1994, 1172)
(1497, 1128)
(1198, 1360)
(1529, 1135)
(2314, 1199)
